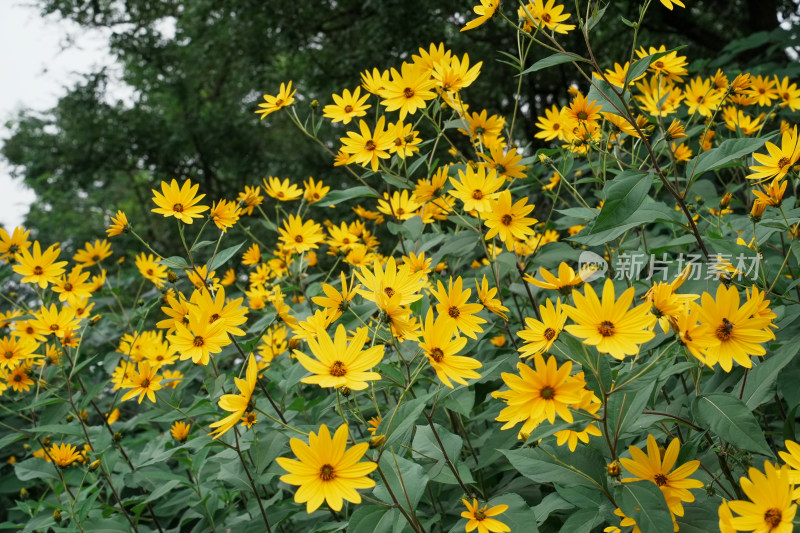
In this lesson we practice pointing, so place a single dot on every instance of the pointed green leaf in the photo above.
(730, 419)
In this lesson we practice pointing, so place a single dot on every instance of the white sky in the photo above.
(36, 72)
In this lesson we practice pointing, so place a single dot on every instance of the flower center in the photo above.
(198, 341)
(453, 312)
(38, 271)
(388, 291)
(480, 515)
(606, 328)
(178, 208)
(477, 194)
(725, 330)
(54, 327)
(370, 145)
(782, 162)
(506, 220)
(549, 333)
(213, 318)
(582, 115)
(661, 480)
(773, 517)
(326, 473)
(547, 393)
(348, 108)
(546, 17)
(437, 354)
(338, 369)
(67, 286)
(408, 92)
(9, 355)
(298, 238)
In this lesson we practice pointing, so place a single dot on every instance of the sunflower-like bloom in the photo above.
(666, 304)
(224, 214)
(779, 160)
(702, 97)
(454, 75)
(314, 191)
(509, 221)
(549, 16)
(486, 295)
(695, 336)
(476, 188)
(237, 404)
(770, 509)
(299, 236)
(347, 106)
(92, 253)
(201, 337)
(326, 470)
(389, 282)
(440, 345)
(792, 459)
(368, 147)
(539, 336)
(151, 269)
(143, 382)
(336, 301)
(553, 125)
(73, 288)
(55, 321)
(668, 3)
(11, 245)
(179, 430)
(538, 394)
(14, 350)
(739, 331)
(119, 224)
(63, 454)
(483, 128)
(284, 191)
(453, 307)
(400, 205)
(609, 325)
(674, 484)
(408, 89)
(179, 201)
(485, 11)
(566, 280)
(481, 518)
(271, 103)
(339, 364)
(39, 267)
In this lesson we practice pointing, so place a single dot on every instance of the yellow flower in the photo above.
(346, 107)
(249, 419)
(143, 382)
(39, 267)
(338, 302)
(150, 269)
(119, 224)
(483, 128)
(770, 509)
(55, 321)
(609, 325)
(14, 350)
(339, 364)
(779, 160)
(737, 120)
(507, 221)
(566, 280)
(405, 140)
(12, 245)
(763, 90)
(538, 394)
(73, 287)
(252, 256)
(486, 296)
(249, 199)
(314, 191)
(455, 74)
(553, 124)
(539, 336)
(282, 190)
(374, 82)
(179, 201)
(668, 3)
(485, 11)
(224, 214)
(388, 282)
(199, 337)
(93, 253)
(63, 454)
(440, 345)
(179, 430)
(476, 188)
(739, 331)
(548, 16)
(670, 66)
(789, 94)
(368, 147)
(702, 97)
(453, 308)
(19, 379)
(327, 471)
(481, 518)
(273, 103)
(237, 404)
(773, 194)
(299, 236)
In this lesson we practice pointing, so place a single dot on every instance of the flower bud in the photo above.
(614, 469)
(377, 441)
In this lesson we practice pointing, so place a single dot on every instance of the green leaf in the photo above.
(603, 94)
(582, 521)
(400, 422)
(222, 257)
(730, 419)
(624, 408)
(408, 486)
(726, 152)
(551, 61)
(425, 443)
(645, 503)
(623, 196)
(640, 66)
(337, 197)
(584, 467)
(175, 261)
(35, 468)
(648, 213)
(760, 385)
(374, 519)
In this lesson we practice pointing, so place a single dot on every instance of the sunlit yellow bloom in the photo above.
(299, 236)
(617, 75)
(63, 454)
(282, 190)
(485, 11)
(481, 518)
(405, 141)
(736, 119)
(668, 3)
(505, 163)
(144, 382)
(326, 470)
(336, 301)
(509, 221)
(237, 404)
(73, 287)
(55, 321)
(763, 89)
(179, 201)
(486, 295)
(659, 96)
(553, 124)
(389, 282)
(408, 90)
(368, 147)
(39, 267)
(566, 280)
(179, 430)
(224, 214)
(547, 16)
(681, 152)
(476, 188)
(271, 103)
(539, 336)
(347, 106)
(770, 508)
(440, 343)
(201, 337)
(454, 75)
(314, 191)
(670, 66)
(93, 253)
(400, 206)
(15, 350)
(773, 194)
(789, 94)
(609, 325)
(453, 307)
(483, 128)
(374, 82)
(12, 245)
(702, 97)
(779, 160)
(119, 224)
(249, 199)
(339, 363)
